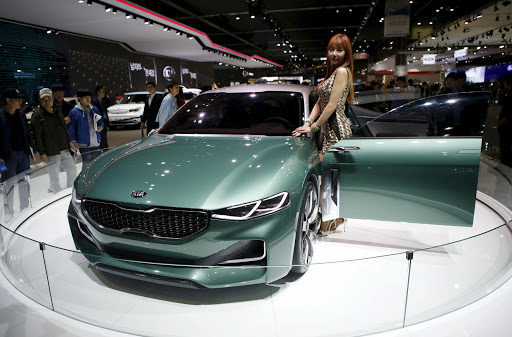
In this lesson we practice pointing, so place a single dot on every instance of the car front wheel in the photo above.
(306, 224)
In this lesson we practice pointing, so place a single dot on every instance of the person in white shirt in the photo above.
(169, 104)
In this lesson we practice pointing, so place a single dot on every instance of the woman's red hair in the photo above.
(341, 41)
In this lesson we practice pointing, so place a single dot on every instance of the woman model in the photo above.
(329, 111)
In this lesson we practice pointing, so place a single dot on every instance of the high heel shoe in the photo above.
(333, 226)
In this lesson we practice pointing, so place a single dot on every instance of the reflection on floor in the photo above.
(365, 293)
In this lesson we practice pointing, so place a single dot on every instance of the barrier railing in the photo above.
(345, 297)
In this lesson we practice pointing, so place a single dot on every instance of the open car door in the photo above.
(417, 163)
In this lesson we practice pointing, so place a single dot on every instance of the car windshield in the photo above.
(261, 113)
(133, 98)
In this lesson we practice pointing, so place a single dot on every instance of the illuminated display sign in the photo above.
(460, 53)
(429, 58)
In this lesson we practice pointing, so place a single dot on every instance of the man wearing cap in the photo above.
(59, 104)
(52, 140)
(85, 127)
(16, 144)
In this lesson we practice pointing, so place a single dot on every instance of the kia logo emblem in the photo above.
(169, 73)
(138, 194)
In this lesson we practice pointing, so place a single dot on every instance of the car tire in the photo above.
(306, 224)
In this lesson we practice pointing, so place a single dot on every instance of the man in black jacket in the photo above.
(15, 148)
(59, 104)
(505, 122)
(151, 107)
(52, 140)
(99, 102)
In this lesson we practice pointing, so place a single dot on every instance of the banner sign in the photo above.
(398, 17)
(460, 53)
(429, 58)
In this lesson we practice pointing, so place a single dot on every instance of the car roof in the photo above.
(141, 92)
(304, 89)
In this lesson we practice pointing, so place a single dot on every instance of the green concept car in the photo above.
(222, 195)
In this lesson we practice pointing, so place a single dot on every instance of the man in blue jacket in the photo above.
(85, 127)
(16, 145)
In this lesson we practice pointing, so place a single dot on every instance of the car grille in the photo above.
(156, 222)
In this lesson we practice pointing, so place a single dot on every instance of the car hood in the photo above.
(200, 172)
(124, 107)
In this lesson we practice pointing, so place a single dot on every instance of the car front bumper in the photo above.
(258, 250)
(124, 119)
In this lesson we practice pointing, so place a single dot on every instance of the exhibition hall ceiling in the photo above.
(262, 33)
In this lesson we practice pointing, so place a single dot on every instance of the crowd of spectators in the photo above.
(58, 130)
(453, 82)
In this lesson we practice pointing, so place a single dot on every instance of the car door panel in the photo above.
(420, 180)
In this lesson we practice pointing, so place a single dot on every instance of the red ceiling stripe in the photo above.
(197, 32)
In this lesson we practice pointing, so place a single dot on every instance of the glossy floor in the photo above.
(364, 294)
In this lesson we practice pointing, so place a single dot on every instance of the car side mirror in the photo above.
(153, 131)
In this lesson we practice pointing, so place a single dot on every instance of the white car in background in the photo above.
(190, 93)
(128, 111)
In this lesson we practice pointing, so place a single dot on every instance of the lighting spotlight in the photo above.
(108, 9)
(166, 29)
(146, 22)
(49, 31)
(81, 1)
(496, 8)
(506, 29)
(89, 2)
(497, 18)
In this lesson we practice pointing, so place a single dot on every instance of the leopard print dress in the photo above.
(337, 126)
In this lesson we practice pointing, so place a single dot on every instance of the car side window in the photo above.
(456, 114)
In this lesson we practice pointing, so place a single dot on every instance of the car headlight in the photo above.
(77, 199)
(134, 109)
(254, 209)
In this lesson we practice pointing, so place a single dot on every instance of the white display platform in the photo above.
(326, 301)
(356, 285)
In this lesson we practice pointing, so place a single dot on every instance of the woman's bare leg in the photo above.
(330, 225)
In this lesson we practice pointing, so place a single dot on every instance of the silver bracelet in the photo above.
(314, 127)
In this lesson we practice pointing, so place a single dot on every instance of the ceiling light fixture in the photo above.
(89, 2)
(81, 1)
